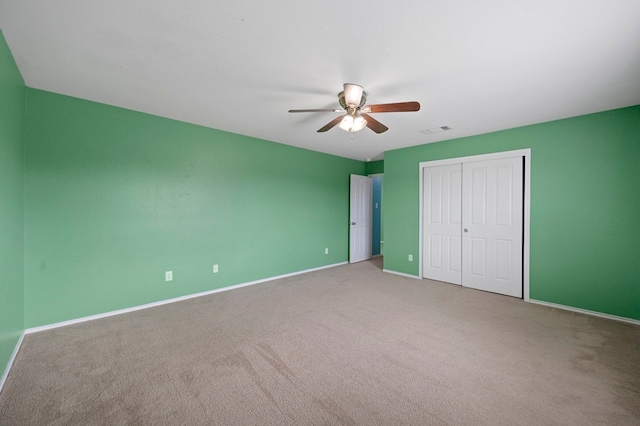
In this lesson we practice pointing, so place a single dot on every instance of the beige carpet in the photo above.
(347, 345)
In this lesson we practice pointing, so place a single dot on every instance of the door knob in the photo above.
(353, 223)
(466, 230)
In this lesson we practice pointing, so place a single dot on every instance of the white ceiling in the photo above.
(475, 66)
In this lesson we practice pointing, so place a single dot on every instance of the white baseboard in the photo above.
(11, 360)
(166, 301)
(551, 305)
(402, 274)
(585, 311)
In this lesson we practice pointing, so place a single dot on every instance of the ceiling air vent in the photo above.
(436, 130)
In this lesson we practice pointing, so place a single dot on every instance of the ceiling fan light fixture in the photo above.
(346, 123)
(358, 123)
(352, 94)
(352, 123)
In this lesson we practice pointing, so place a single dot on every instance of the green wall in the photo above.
(12, 127)
(585, 201)
(114, 198)
(375, 167)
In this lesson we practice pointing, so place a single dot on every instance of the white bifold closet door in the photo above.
(482, 247)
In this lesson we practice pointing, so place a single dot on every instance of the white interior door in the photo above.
(360, 218)
(492, 218)
(442, 224)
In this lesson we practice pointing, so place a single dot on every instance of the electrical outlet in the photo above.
(168, 276)
(326, 250)
(410, 258)
(215, 268)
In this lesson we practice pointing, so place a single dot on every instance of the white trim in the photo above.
(586, 312)
(526, 153)
(420, 215)
(527, 225)
(481, 157)
(402, 274)
(11, 360)
(167, 301)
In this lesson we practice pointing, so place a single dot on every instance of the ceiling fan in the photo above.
(352, 100)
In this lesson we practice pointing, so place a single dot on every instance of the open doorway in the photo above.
(366, 233)
(377, 239)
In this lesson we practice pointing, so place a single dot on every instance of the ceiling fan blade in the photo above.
(395, 107)
(374, 124)
(352, 94)
(316, 110)
(331, 124)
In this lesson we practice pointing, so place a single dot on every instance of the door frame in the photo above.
(526, 154)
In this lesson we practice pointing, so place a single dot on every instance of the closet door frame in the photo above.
(526, 154)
